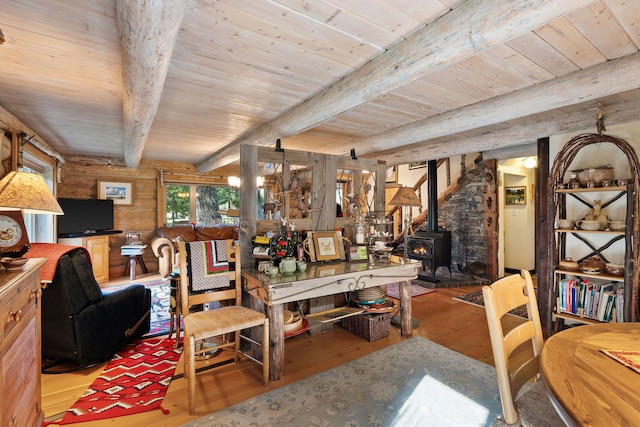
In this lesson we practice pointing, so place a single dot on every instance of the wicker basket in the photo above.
(371, 327)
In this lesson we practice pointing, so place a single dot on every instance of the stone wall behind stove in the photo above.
(463, 215)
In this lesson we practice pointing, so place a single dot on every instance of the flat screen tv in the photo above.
(85, 217)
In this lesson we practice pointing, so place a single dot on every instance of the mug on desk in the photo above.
(263, 266)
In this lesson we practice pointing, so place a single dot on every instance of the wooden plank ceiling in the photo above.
(399, 80)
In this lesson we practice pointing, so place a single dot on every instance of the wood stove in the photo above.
(433, 248)
(431, 245)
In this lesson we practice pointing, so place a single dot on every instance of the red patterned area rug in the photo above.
(393, 290)
(135, 380)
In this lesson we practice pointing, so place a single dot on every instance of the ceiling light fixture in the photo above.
(530, 162)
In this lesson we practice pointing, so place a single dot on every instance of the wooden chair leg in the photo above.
(190, 371)
(237, 346)
(265, 351)
(171, 319)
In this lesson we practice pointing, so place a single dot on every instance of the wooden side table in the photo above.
(134, 252)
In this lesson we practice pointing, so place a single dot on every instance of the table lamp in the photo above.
(405, 197)
(22, 192)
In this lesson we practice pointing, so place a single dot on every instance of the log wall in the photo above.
(79, 177)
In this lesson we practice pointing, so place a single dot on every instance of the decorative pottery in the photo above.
(272, 271)
(597, 175)
(614, 270)
(568, 264)
(288, 265)
(13, 263)
(302, 266)
(593, 265)
(292, 321)
(597, 214)
(565, 224)
(617, 225)
(589, 225)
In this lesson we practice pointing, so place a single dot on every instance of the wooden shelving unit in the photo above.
(557, 195)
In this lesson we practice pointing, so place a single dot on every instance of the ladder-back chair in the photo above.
(514, 369)
(210, 277)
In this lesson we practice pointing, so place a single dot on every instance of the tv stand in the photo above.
(98, 247)
(89, 233)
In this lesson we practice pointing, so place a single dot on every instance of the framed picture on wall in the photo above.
(516, 195)
(417, 165)
(391, 175)
(121, 192)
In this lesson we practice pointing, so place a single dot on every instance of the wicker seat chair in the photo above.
(209, 276)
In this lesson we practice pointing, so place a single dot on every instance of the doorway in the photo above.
(516, 247)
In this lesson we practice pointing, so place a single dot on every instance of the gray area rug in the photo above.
(412, 383)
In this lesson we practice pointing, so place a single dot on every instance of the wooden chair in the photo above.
(514, 369)
(207, 277)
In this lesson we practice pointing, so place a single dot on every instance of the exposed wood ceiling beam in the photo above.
(148, 32)
(523, 133)
(471, 28)
(589, 84)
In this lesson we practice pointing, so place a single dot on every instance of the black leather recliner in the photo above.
(81, 324)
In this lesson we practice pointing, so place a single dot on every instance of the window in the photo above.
(204, 205)
(40, 227)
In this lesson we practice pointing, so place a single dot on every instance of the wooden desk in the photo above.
(320, 280)
(20, 345)
(588, 387)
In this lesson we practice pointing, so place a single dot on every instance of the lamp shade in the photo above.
(405, 196)
(27, 192)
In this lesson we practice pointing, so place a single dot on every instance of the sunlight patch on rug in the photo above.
(442, 407)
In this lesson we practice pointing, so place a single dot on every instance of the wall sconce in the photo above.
(234, 181)
(279, 148)
(530, 162)
(353, 154)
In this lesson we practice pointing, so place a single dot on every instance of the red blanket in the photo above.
(52, 252)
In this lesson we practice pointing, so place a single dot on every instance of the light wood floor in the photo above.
(457, 325)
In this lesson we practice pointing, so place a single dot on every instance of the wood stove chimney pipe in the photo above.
(432, 195)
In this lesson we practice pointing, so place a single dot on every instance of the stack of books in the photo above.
(132, 249)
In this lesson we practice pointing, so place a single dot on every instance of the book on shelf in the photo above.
(592, 300)
(619, 305)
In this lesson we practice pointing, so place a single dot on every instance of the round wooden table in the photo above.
(588, 387)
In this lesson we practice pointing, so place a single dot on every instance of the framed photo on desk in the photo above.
(326, 245)
(358, 253)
